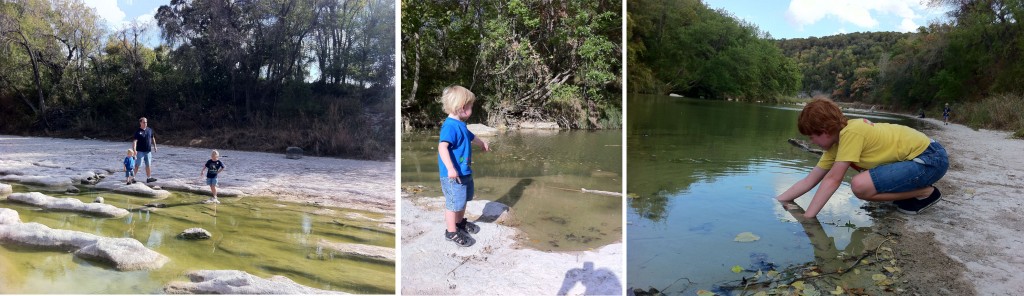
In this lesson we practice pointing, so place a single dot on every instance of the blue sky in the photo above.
(118, 13)
(806, 18)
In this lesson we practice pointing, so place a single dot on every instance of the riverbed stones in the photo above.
(124, 254)
(238, 282)
(9, 216)
(360, 250)
(47, 181)
(37, 235)
(539, 125)
(203, 189)
(5, 189)
(68, 204)
(136, 189)
(293, 153)
(482, 130)
(194, 233)
(99, 199)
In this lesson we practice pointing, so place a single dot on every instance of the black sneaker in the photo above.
(459, 238)
(148, 180)
(914, 206)
(467, 226)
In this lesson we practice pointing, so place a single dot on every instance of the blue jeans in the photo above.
(211, 181)
(918, 173)
(456, 195)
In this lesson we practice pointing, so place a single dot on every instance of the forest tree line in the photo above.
(253, 75)
(684, 47)
(525, 60)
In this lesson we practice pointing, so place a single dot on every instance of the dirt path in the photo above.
(354, 184)
(979, 224)
(495, 264)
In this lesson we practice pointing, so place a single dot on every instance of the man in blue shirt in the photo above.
(144, 145)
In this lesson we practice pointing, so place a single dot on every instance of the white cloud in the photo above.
(860, 13)
(908, 25)
(108, 10)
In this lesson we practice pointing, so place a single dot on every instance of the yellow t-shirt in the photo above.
(867, 145)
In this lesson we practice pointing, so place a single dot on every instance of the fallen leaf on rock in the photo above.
(878, 277)
(746, 237)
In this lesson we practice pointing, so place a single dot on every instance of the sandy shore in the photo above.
(495, 264)
(354, 184)
(979, 224)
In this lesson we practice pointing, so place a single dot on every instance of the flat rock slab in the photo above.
(9, 216)
(238, 282)
(204, 190)
(121, 253)
(68, 204)
(48, 181)
(137, 189)
(482, 130)
(124, 254)
(360, 250)
(6, 189)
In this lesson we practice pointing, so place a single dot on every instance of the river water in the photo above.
(258, 235)
(539, 174)
(703, 172)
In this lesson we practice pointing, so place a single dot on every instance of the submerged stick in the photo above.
(584, 190)
(804, 146)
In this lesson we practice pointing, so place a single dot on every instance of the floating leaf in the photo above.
(737, 269)
(632, 195)
(705, 293)
(892, 269)
(799, 285)
(878, 277)
(838, 291)
(746, 237)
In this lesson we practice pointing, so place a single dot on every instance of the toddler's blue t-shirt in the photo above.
(459, 140)
(129, 162)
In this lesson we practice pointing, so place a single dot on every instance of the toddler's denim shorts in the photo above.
(211, 181)
(456, 195)
(918, 173)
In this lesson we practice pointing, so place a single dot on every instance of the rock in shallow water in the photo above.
(195, 233)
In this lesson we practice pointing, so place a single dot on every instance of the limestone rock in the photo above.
(482, 130)
(68, 204)
(293, 153)
(195, 233)
(539, 125)
(41, 236)
(123, 254)
(99, 199)
(238, 282)
(48, 181)
(9, 216)
(137, 189)
(6, 189)
(360, 250)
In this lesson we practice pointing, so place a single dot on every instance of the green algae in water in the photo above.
(258, 235)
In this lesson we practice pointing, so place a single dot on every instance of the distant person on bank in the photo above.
(945, 114)
(144, 145)
(454, 157)
(896, 163)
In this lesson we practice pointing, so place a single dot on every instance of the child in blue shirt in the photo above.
(454, 158)
(945, 114)
(129, 168)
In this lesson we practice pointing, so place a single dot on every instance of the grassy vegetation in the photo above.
(1001, 112)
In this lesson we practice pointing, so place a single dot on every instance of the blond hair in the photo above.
(214, 153)
(131, 152)
(456, 97)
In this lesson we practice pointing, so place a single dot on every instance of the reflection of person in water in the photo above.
(597, 282)
(826, 254)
